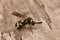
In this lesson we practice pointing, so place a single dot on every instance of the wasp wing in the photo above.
(18, 15)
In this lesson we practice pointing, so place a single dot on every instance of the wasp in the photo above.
(24, 22)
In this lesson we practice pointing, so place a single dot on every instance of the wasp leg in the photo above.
(26, 26)
(31, 29)
(50, 27)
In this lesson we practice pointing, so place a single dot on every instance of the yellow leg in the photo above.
(31, 29)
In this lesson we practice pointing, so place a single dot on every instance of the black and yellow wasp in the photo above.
(26, 21)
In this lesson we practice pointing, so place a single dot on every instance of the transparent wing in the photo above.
(19, 15)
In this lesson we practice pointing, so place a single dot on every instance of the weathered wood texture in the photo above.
(46, 11)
